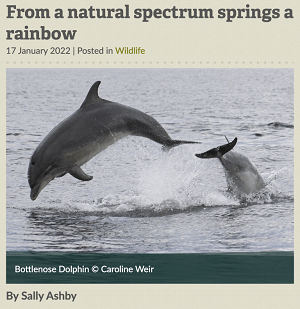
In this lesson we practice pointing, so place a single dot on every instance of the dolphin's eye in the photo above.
(32, 162)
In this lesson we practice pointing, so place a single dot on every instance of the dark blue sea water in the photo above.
(142, 199)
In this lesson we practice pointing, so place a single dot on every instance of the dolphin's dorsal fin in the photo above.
(92, 95)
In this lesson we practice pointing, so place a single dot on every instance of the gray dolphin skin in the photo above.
(97, 124)
(241, 175)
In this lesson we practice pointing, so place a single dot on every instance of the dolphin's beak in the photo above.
(35, 192)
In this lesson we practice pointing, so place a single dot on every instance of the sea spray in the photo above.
(176, 177)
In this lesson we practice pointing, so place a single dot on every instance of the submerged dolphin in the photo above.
(241, 175)
(97, 124)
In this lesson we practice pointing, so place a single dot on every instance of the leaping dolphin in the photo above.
(241, 175)
(97, 124)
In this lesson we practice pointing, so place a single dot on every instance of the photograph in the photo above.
(150, 160)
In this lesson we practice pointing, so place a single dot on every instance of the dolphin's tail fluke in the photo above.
(173, 143)
(217, 152)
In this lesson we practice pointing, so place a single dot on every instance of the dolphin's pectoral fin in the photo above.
(63, 174)
(217, 152)
(78, 173)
